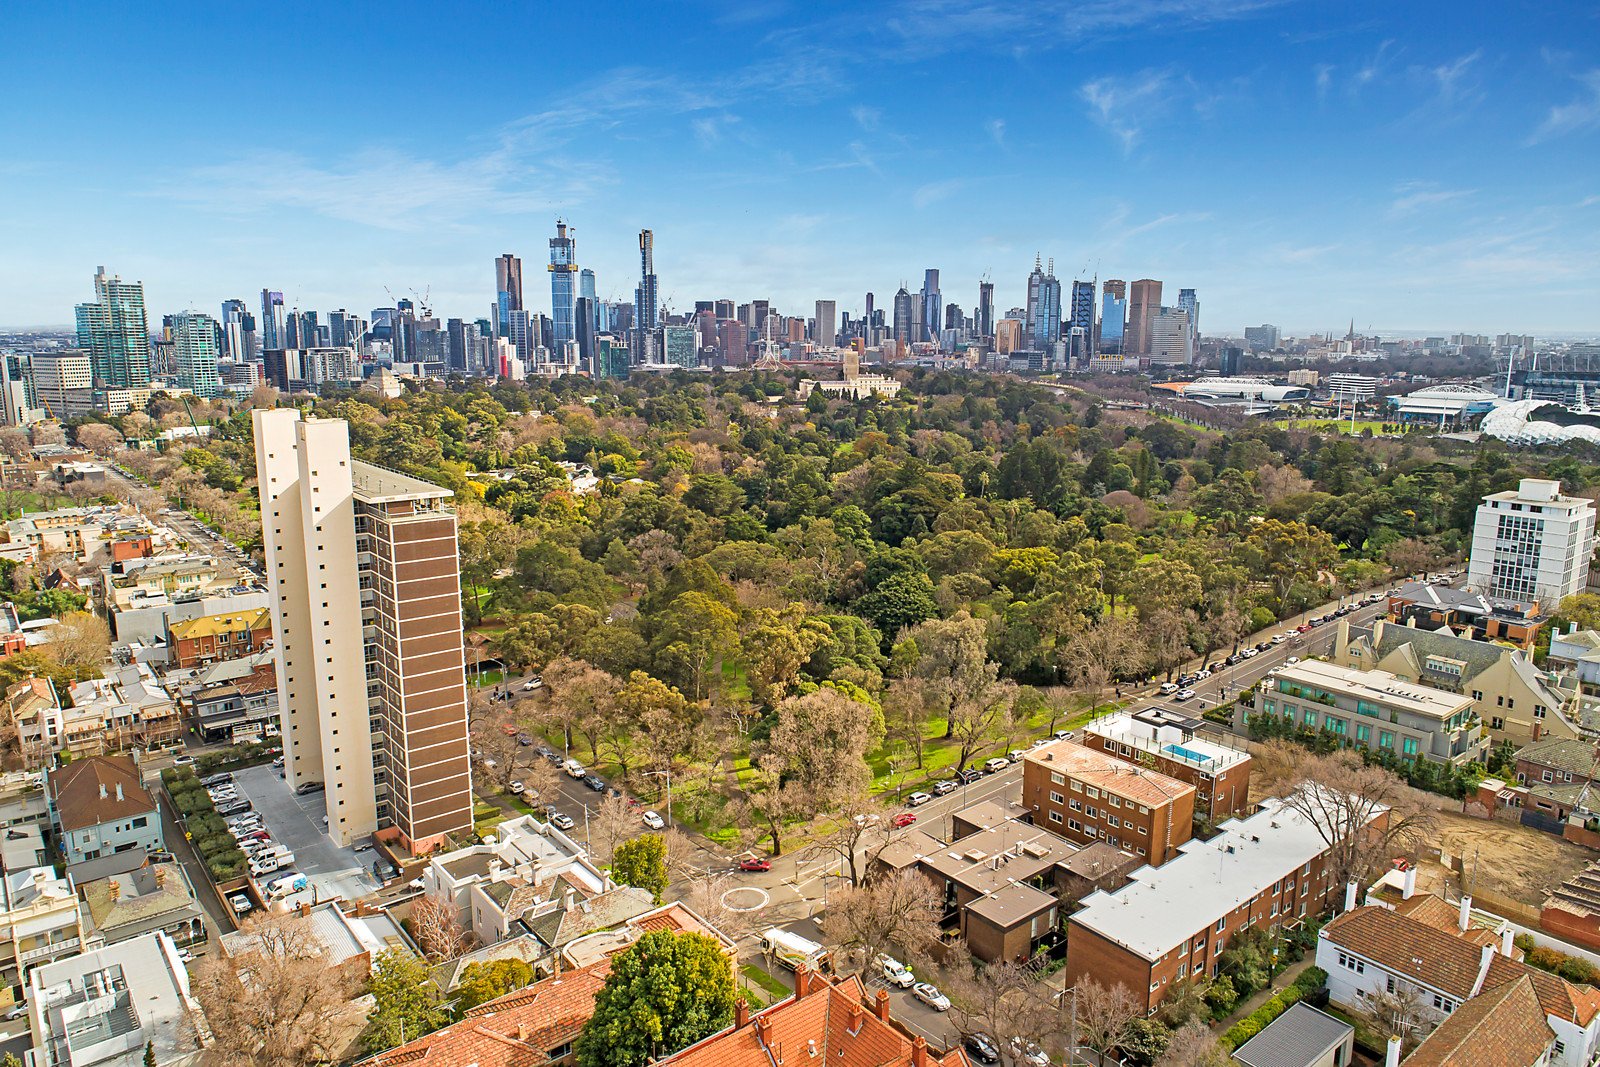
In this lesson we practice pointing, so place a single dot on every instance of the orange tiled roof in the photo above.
(834, 1017)
(516, 1030)
(1439, 914)
(1501, 1027)
(1094, 767)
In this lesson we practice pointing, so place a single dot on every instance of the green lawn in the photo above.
(1338, 426)
(19, 501)
(487, 678)
(768, 984)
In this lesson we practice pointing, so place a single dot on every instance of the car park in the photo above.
(896, 973)
(653, 821)
(904, 819)
(929, 994)
(944, 786)
(1184, 694)
(999, 763)
(916, 800)
(755, 865)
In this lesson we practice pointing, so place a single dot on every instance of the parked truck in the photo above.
(791, 950)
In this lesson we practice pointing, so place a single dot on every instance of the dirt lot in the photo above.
(1502, 858)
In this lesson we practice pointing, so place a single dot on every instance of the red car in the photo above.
(905, 818)
(755, 865)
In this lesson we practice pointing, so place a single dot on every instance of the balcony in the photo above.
(44, 952)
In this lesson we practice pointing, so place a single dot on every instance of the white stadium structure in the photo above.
(1243, 389)
(1513, 422)
(1443, 404)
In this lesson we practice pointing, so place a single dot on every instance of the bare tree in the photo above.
(859, 822)
(1000, 999)
(437, 930)
(1104, 1012)
(493, 744)
(99, 438)
(986, 718)
(613, 822)
(277, 1003)
(1398, 1012)
(81, 642)
(899, 913)
(541, 779)
(1366, 815)
(1194, 1045)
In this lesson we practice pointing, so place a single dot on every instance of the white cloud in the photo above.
(866, 117)
(1412, 197)
(997, 131)
(1123, 106)
(1582, 113)
(933, 192)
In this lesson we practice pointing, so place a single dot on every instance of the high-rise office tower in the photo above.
(115, 333)
(272, 322)
(19, 399)
(194, 346)
(985, 323)
(827, 323)
(563, 277)
(586, 288)
(932, 305)
(1190, 303)
(723, 308)
(905, 321)
(1113, 314)
(1171, 337)
(1044, 305)
(1080, 319)
(1531, 544)
(1263, 338)
(366, 622)
(455, 333)
(868, 320)
(646, 310)
(954, 318)
(232, 325)
(507, 288)
(1144, 299)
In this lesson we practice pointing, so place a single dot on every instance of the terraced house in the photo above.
(1376, 710)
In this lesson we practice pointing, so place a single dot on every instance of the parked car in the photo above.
(1279, 639)
(533, 683)
(524, 739)
(1183, 694)
(516, 786)
(560, 820)
(574, 769)
(1026, 1052)
(944, 786)
(916, 800)
(1292, 659)
(1250, 653)
(240, 904)
(238, 807)
(654, 821)
(549, 755)
(896, 973)
(755, 865)
(595, 782)
(929, 994)
(1232, 658)
(216, 779)
(971, 774)
(999, 763)
(1061, 735)
(982, 1048)
(17, 1011)
(904, 819)
(305, 789)
(1202, 674)
(1014, 756)
(182, 761)
(1168, 688)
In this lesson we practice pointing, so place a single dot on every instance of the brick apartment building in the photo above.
(1181, 747)
(1085, 794)
(1172, 922)
(195, 642)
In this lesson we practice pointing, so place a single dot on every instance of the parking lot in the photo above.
(296, 824)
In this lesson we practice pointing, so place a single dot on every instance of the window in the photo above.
(1057, 798)
(1444, 1003)
(1386, 739)
(1077, 787)
(1075, 804)
(1055, 816)
(1094, 794)
(1497, 723)
(1057, 778)
(1072, 824)
(1113, 800)
(1351, 963)
(1143, 832)
(1091, 812)
(1547, 776)
(141, 822)
(1112, 820)
(1222, 924)
(1410, 746)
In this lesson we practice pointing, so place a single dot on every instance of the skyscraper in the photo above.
(1080, 319)
(647, 313)
(508, 290)
(1171, 337)
(985, 323)
(563, 269)
(115, 333)
(367, 637)
(586, 288)
(1143, 301)
(932, 305)
(272, 324)
(1044, 305)
(194, 346)
(1113, 314)
(904, 321)
(1190, 303)
(827, 323)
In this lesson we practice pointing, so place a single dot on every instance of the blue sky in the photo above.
(1423, 166)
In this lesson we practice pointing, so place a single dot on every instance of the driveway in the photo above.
(296, 824)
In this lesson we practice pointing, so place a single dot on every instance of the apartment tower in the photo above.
(366, 617)
(1144, 297)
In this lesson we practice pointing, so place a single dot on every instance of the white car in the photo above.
(1202, 674)
(1184, 694)
(574, 769)
(1249, 653)
(17, 1011)
(999, 763)
(1292, 659)
(929, 994)
(1168, 688)
(533, 683)
(654, 821)
(1279, 639)
(916, 800)
(896, 973)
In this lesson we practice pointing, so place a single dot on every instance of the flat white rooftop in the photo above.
(1378, 686)
(1161, 907)
(1170, 741)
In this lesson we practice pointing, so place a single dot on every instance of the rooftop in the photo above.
(1500, 1027)
(1378, 686)
(1299, 1037)
(1168, 735)
(379, 485)
(1560, 753)
(145, 894)
(1092, 767)
(212, 625)
(1163, 906)
(98, 789)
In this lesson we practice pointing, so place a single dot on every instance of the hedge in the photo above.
(1256, 1021)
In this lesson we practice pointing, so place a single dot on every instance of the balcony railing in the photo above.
(44, 951)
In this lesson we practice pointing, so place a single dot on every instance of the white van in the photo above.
(574, 769)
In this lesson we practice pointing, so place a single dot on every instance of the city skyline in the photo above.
(1294, 166)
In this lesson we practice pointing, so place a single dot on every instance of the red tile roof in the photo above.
(86, 792)
(1130, 781)
(833, 1017)
(1501, 1027)
(516, 1030)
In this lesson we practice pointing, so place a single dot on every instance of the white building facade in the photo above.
(1531, 544)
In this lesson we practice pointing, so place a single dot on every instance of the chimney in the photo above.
(1391, 1056)
(763, 1029)
(1465, 918)
(1350, 896)
(494, 870)
(802, 981)
(568, 901)
(856, 1012)
(305, 908)
(103, 793)
(741, 1014)
(1508, 941)
(522, 1032)
(1409, 889)
(919, 1051)
(1486, 959)
(880, 1005)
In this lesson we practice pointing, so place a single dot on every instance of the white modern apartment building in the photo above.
(1531, 544)
(366, 612)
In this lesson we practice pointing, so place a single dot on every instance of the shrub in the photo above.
(1311, 980)
(1221, 996)
(1256, 1021)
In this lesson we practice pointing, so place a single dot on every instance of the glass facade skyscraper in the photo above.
(115, 333)
(563, 278)
(194, 348)
(272, 320)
